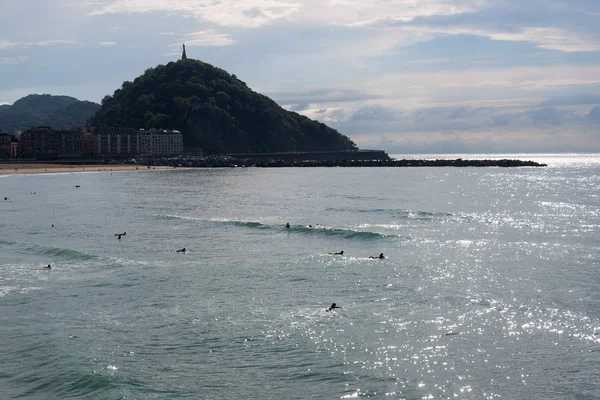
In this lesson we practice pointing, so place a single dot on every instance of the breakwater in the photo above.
(228, 161)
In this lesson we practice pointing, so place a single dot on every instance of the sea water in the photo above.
(489, 288)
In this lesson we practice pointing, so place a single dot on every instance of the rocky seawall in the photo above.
(227, 161)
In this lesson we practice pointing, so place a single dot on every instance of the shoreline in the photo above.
(12, 169)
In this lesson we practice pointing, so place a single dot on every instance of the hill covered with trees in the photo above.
(215, 111)
(59, 112)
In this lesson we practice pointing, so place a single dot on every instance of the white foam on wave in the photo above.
(4, 290)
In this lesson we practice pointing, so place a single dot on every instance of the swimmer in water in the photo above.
(381, 257)
(333, 307)
(287, 225)
(341, 253)
(181, 250)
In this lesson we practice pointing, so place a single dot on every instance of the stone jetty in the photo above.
(228, 161)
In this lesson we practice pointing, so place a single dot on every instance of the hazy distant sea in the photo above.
(490, 288)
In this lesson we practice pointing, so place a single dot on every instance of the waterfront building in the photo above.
(119, 141)
(45, 142)
(111, 141)
(161, 142)
(7, 146)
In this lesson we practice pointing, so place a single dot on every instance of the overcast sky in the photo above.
(400, 75)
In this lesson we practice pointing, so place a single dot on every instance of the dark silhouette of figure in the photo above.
(341, 253)
(6, 198)
(48, 267)
(181, 250)
(53, 225)
(333, 307)
(77, 186)
(119, 235)
(381, 256)
(287, 225)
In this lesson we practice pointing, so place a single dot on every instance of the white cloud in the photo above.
(206, 38)
(254, 13)
(237, 13)
(542, 37)
(361, 13)
(53, 42)
(5, 44)
(474, 84)
(14, 60)
(107, 43)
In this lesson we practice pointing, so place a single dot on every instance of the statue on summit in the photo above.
(184, 56)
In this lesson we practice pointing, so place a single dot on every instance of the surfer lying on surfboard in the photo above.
(333, 307)
(341, 253)
(44, 268)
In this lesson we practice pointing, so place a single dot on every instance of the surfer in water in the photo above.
(48, 267)
(181, 250)
(333, 307)
(381, 256)
(287, 225)
(341, 253)
(118, 235)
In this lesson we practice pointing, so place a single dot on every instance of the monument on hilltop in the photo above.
(184, 56)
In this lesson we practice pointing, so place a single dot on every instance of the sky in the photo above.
(405, 76)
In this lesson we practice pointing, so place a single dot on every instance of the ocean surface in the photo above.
(489, 288)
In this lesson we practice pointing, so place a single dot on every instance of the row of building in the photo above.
(43, 142)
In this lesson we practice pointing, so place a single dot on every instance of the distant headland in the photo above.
(185, 108)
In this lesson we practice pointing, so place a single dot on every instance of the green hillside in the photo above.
(59, 112)
(215, 111)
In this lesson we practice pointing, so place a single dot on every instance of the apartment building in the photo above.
(45, 142)
(111, 141)
(118, 141)
(8, 145)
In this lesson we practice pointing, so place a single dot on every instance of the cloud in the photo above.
(234, 13)
(5, 44)
(49, 42)
(14, 60)
(574, 100)
(321, 96)
(107, 43)
(206, 38)
(542, 37)
(359, 13)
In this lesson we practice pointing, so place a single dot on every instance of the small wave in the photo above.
(301, 229)
(339, 232)
(401, 214)
(57, 252)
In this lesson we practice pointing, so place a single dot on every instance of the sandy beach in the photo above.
(56, 168)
